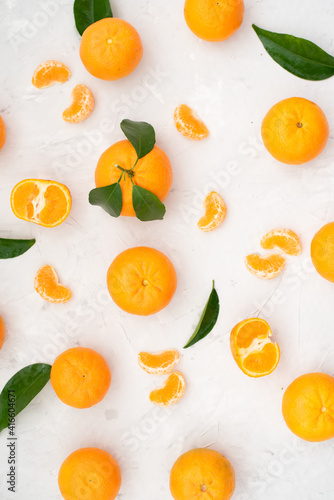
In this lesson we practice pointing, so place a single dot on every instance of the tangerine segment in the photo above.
(295, 131)
(2, 133)
(160, 363)
(43, 202)
(82, 104)
(2, 332)
(171, 392)
(152, 172)
(267, 267)
(80, 377)
(111, 48)
(252, 348)
(89, 474)
(189, 124)
(215, 212)
(48, 286)
(308, 407)
(285, 239)
(49, 73)
(141, 280)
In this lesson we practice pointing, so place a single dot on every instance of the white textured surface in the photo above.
(231, 85)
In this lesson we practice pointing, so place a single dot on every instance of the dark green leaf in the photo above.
(208, 319)
(147, 205)
(140, 134)
(21, 389)
(109, 198)
(297, 55)
(87, 12)
(13, 248)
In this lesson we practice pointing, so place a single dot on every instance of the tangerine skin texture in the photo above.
(308, 407)
(289, 142)
(152, 172)
(202, 474)
(214, 20)
(2, 133)
(89, 474)
(322, 251)
(141, 280)
(110, 49)
(80, 377)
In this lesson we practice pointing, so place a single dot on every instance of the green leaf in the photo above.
(208, 319)
(87, 12)
(21, 389)
(140, 134)
(13, 248)
(297, 55)
(109, 198)
(147, 205)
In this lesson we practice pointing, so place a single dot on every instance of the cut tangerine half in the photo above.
(189, 124)
(215, 212)
(285, 239)
(43, 202)
(267, 267)
(82, 104)
(49, 73)
(252, 348)
(171, 392)
(48, 286)
(160, 363)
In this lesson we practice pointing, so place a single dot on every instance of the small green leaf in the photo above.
(109, 198)
(208, 319)
(21, 389)
(140, 134)
(147, 205)
(13, 248)
(87, 12)
(297, 55)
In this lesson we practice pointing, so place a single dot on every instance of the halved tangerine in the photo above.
(285, 239)
(171, 392)
(160, 363)
(252, 348)
(189, 124)
(43, 202)
(82, 104)
(267, 267)
(215, 212)
(48, 286)
(49, 73)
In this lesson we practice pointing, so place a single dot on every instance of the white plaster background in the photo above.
(231, 85)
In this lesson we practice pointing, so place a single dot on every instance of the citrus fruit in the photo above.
(160, 363)
(214, 20)
(171, 392)
(215, 212)
(48, 286)
(252, 349)
(284, 239)
(82, 104)
(141, 280)
(295, 131)
(267, 267)
(49, 73)
(2, 332)
(202, 474)
(152, 172)
(189, 124)
(322, 251)
(110, 48)
(43, 202)
(80, 377)
(89, 474)
(2, 133)
(308, 407)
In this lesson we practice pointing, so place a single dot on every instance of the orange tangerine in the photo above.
(189, 124)
(2, 332)
(49, 73)
(267, 267)
(171, 392)
(2, 133)
(48, 286)
(284, 239)
(215, 212)
(160, 363)
(82, 104)
(322, 251)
